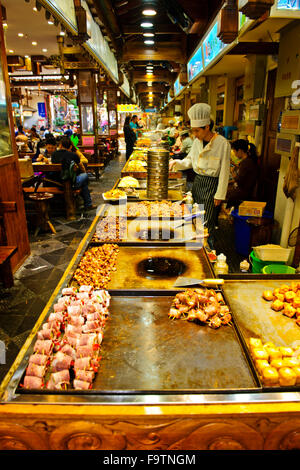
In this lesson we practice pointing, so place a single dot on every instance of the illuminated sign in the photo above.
(195, 64)
(212, 45)
(288, 4)
(177, 87)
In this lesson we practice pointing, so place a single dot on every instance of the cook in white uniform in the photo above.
(160, 126)
(210, 159)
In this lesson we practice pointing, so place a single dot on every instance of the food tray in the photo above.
(255, 317)
(144, 351)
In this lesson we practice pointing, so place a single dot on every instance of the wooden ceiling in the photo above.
(178, 26)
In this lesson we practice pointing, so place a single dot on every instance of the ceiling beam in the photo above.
(168, 51)
(160, 76)
(155, 88)
(260, 48)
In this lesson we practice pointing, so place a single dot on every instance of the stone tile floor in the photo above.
(21, 306)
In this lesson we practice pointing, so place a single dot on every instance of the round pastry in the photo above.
(268, 295)
(287, 377)
(270, 376)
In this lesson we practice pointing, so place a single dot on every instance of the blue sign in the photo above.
(212, 45)
(177, 87)
(42, 110)
(195, 64)
(288, 4)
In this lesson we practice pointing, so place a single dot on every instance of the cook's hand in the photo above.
(217, 202)
(172, 163)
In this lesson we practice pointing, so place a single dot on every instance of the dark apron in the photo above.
(203, 191)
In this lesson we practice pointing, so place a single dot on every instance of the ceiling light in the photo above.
(150, 93)
(149, 41)
(11, 51)
(27, 57)
(149, 12)
(20, 35)
(148, 35)
(50, 22)
(44, 50)
(147, 25)
(34, 43)
(62, 33)
(35, 9)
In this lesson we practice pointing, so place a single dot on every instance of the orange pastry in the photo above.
(290, 296)
(270, 376)
(268, 295)
(287, 377)
(289, 311)
(277, 305)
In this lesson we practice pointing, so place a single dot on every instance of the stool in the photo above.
(42, 207)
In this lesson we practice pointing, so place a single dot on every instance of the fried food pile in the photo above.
(110, 228)
(275, 365)
(97, 265)
(156, 209)
(285, 299)
(201, 305)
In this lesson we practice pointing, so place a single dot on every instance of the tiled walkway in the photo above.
(21, 306)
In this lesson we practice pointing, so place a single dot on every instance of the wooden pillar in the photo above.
(14, 222)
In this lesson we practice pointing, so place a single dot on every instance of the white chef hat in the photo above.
(199, 114)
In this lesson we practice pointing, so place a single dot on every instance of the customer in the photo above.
(129, 136)
(245, 175)
(210, 159)
(135, 125)
(49, 149)
(66, 157)
(68, 132)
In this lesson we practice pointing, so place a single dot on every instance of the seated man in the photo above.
(65, 156)
(46, 154)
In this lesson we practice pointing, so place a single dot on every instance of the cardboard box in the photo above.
(252, 208)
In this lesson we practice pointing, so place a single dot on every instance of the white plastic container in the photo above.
(272, 253)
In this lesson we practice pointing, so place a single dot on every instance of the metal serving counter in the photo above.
(162, 384)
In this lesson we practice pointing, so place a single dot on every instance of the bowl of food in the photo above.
(114, 195)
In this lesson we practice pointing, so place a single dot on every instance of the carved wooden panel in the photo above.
(241, 432)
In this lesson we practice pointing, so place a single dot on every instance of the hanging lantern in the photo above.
(254, 9)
